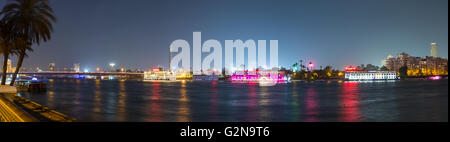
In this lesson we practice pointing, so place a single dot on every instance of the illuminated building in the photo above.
(111, 67)
(9, 67)
(434, 50)
(257, 76)
(51, 67)
(418, 66)
(76, 68)
(352, 73)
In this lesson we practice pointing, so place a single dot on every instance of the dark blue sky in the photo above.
(137, 33)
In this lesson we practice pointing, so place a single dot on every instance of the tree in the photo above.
(384, 68)
(7, 46)
(32, 21)
(371, 67)
(5, 49)
(403, 72)
(328, 71)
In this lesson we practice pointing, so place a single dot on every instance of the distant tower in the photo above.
(9, 66)
(51, 67)
(111, 67)
(434, 50)
(170, 60)
(76, 67)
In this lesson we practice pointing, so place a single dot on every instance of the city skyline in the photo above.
(102, 32)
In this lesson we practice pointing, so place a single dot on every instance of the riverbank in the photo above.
(9, 112)
(14, 108)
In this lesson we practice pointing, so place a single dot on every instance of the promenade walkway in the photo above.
(14, 108)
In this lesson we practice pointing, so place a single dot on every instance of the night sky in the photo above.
(137, 33)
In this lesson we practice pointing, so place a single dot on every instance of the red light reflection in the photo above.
(311, 105)
(349, 102)
(155, 105)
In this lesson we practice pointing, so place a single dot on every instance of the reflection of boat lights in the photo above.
(435, 77)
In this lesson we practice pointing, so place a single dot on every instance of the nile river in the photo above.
(114, 100)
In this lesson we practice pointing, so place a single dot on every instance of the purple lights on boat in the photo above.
(257, 76)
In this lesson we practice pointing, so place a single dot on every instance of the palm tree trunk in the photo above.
(5, 67)
(19, 64)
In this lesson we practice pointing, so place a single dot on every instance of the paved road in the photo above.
(7, 113)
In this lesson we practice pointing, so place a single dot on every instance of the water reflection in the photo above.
(98, 100)
(214, 102)
(312, 105)
(51, 98)
(251, 105)
(295, 103)
(263, 103)
(155, 103)
(97, 109)
(349, 102)
(78, 96)
(121, 105)
(183, 108)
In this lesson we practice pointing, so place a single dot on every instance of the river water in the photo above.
(335, 101)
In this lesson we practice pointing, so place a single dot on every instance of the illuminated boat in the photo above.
(259, 76)
(159, 74)
(353, 74)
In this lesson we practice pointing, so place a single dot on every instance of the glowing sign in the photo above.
(351, 68)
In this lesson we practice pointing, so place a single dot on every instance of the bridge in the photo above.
(79, 73)
(63, 74)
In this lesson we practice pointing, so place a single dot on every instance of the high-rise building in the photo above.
(51, 67)
(111, 67)
(434, 50)
(76, 67)
(418, 66)
(9, 67)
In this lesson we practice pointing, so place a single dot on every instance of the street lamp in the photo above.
(111, 67)
(311, 65)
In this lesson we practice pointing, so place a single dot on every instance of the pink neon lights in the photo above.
(255, 76)
(435, 77)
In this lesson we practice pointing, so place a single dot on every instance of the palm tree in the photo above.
(4, 49)
(32, 19)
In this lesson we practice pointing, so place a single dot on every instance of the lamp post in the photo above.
(111, 67)
(311, 66)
